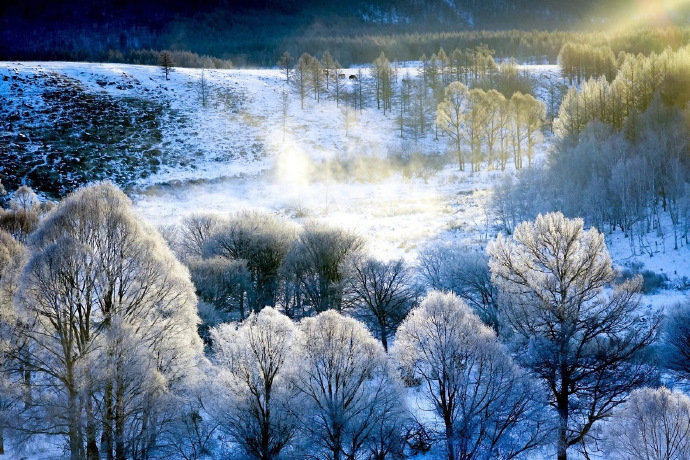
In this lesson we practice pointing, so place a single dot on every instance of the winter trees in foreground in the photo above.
(488, 407)
(108, 327)
(582, 338)
(652, 424)
(352, 400)
(257, 405)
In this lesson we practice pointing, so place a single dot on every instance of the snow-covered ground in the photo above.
(330, 164)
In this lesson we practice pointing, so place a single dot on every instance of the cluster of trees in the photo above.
(581, 61)
(319, 76)
(495, 120)
(638, 80)
(491, 126)
(250, 260)
(531, 345)
(621, 156)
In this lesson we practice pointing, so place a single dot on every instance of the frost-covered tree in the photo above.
(319, 264)
(261, 240)
(351, 392)
(675, 344)
(255, 401)
(384, 293)
(488, 407)
(111, 321)
(652, 424)
(11, 259)
(464, 272)
(24, 199)
(21, 219)
(582, 338)
(195, 231)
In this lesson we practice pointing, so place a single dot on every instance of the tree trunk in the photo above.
(119, 424)
(107, 435)
(75, 447)
(449, 440)
(562, 405)
(91, 445)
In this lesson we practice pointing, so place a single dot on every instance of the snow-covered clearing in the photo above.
(330, 164)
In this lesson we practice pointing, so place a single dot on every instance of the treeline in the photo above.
(101, 348)
(519, 44)
(253, 45)
(178, 58)
(622, 158)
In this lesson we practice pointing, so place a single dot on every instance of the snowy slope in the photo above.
(232, 154)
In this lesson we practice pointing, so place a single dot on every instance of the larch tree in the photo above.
(351, 391)
(535, 112)
(256, 401)
(165, 60)
(111, 322)
(475, 125)
(450, 116)
(285, 64)
(383, 78)
(328, 66)
(302, 75)
(571, 324)
(487, 405)
(518, 126)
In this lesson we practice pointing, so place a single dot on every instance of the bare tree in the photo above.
(320, 263)
(676, 341)
(302, 74)
(11, 260)
(385, 293)
(582, 341)
(166, 62)
(262, 241)
(450, 115)
(464, 272)
(285, 64)
(203, 87)
(195, 231)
